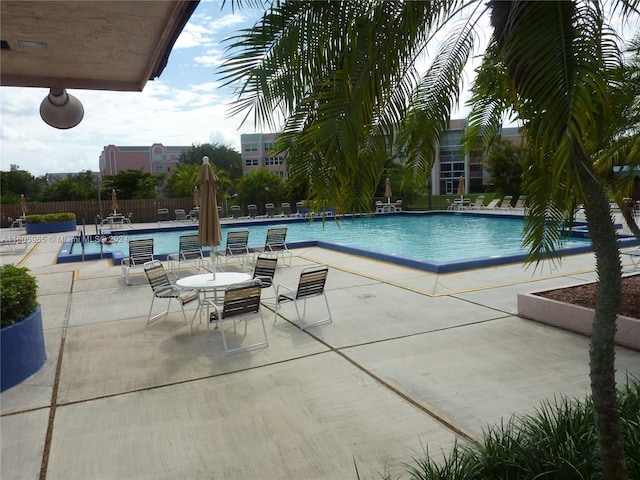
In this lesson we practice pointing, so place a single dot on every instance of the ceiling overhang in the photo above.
(95, 45)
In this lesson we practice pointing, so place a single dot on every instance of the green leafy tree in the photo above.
(74, 187)
(16, 182)
(260, 186)
(223, 157)
(504, 164)
(182, 180)
(130, 184)
(351, 80)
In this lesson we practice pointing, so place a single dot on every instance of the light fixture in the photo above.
(61, 110)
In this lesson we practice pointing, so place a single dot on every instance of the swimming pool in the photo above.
(433, 241)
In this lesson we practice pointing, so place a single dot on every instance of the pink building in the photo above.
(153, 159)
(256, 153)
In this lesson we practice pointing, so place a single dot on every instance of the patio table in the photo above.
(206, 283)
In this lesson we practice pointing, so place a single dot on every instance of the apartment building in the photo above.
(256, 152)
(155, 158)
(450, 164)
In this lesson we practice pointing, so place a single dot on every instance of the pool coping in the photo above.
(579, 230)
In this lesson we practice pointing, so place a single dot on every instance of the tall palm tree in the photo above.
(344, 76)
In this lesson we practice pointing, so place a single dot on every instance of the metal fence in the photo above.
(142, 210)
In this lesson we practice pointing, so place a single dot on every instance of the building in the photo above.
(256, 153)
(151, 159)
(451, 163)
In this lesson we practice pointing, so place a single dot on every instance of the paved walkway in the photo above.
(412, 360)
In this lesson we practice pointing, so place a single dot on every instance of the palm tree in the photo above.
(343, 75)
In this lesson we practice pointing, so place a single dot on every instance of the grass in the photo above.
(557, 441)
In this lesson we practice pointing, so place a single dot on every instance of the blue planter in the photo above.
(22, 350)
(53, 227)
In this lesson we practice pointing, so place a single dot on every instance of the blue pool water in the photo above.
(431, 241)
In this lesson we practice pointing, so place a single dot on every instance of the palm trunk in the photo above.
(608, 299)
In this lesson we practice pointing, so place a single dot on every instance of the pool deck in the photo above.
(412, 360)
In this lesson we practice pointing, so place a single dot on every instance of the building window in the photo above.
(251, 147)
(251, 162)
(273, 161)
(158, 169)
(268, 146)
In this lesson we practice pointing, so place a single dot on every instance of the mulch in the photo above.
(585, 296)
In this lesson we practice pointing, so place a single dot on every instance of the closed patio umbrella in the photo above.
(23, 205)
(196, 196)
(461, 187)
(114, 201)
(387, 190)
(209, 232)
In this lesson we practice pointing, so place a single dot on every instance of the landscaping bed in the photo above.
(571, 308)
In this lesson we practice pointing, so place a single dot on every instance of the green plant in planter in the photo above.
(18, 292)
(50, 218)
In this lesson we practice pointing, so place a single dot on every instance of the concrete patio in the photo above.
(412, 360)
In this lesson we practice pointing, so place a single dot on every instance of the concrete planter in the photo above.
(22, 351)
(574, 318)
(53, 227)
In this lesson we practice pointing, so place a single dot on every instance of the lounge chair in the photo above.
(286, 209)
(478, 204)
(181, 215)
(253, 211)
(163, 288)
(276, 243)
(301, 209)
(18, 223)
(521, 202)
(189, 253)
(506, 202)
(398, 205)
(163, 215)
(194, 215)
(236, 213)
(311, 284)
(493, 204)
(140, 252)
(270, 208)
(634, 256)
(240, 302)
(236, 247)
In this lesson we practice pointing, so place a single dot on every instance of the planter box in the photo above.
(575, 318)
(22, 350)
(53, 227)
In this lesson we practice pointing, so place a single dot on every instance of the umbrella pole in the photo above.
(214, 259)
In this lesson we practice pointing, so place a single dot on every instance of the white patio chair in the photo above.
(140, 252)
(237, 246)
(311, 284)
(276, 243)
(189, 253)
(241, 301)
(163, 288)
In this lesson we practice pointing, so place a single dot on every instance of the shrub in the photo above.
(557, 441)
(18, 292)
(50, 218)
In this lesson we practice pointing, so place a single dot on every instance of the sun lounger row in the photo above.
(497, 204)
(301, 210)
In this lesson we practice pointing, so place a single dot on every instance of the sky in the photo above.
(185, 106)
